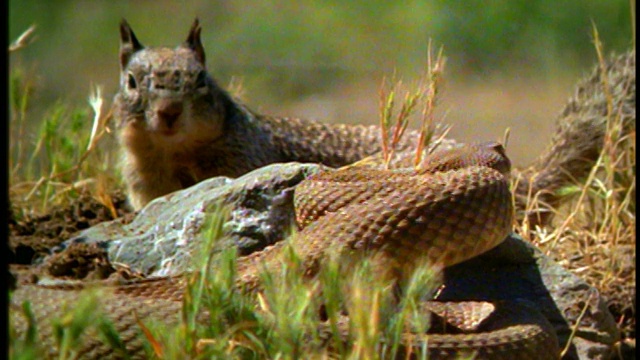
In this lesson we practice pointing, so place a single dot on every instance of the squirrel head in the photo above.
(167, 95)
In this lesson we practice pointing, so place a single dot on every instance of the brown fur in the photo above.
(177, 127)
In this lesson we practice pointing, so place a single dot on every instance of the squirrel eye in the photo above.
(201, 79)
(131, 81)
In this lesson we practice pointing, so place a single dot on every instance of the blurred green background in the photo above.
(510, 63)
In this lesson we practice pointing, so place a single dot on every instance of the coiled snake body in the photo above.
(456, 206)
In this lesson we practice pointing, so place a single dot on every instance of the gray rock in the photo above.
(162, 237)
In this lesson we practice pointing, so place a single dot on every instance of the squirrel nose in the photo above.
(169, 111)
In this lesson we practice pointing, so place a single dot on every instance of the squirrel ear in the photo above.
(193, 41)
(129, 44)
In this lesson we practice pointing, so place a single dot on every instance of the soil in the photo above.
(32, 238)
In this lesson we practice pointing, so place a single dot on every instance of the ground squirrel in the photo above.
(177, 126)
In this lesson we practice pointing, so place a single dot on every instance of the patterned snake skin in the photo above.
(457, 206)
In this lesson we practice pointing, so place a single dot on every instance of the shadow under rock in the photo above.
(515, 271)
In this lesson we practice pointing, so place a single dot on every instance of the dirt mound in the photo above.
(31, 238)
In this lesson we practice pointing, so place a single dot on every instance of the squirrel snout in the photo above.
(168, 112)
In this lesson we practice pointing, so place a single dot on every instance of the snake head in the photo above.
(490, 154)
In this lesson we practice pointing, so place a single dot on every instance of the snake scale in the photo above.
(456, 206)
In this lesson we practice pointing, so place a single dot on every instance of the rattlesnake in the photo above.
(457, 206)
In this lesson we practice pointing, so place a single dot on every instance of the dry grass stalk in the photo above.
(434, 83)
(426, 94)
(24, 39)
(594, 234)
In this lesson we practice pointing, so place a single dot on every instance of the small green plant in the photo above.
(26, 348)
(47, 163)
(291, 315)
(69, 329)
